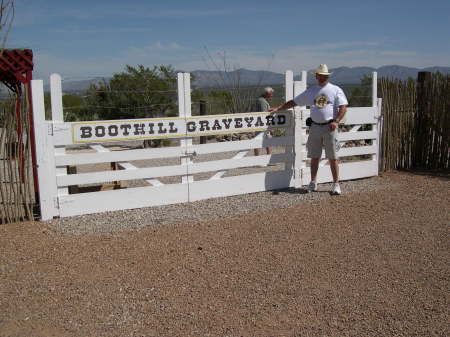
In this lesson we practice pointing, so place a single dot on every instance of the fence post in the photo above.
(58, 117)
(374, 89)
(45, 155)
(202, 113)
(185, 78)
(423, 77)
(299, 132)
(379, 154)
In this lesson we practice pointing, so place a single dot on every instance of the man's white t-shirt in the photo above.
(324, 101)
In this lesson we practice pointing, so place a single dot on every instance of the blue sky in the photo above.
(80, 39)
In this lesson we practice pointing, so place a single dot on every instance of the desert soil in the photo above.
(367, 263)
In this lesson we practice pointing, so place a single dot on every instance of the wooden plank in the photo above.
(105, 176)
(125, 165)
(167, 171)
(118, 156)
(352, 151)
(220, 174)
(240, 145)
(249, 183)
(348, 136)
(105, 201)
(233, 163)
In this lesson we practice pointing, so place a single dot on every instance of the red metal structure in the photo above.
(16, 69)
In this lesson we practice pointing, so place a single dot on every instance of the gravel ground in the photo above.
(204, 210)
(372, 262)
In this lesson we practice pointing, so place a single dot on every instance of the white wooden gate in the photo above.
(186, 161)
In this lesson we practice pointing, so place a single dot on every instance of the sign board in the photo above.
(158, 128)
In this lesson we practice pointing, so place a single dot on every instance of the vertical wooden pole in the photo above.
(44, 154)
(420, 148)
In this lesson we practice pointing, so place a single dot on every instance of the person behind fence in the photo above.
(328, 107)
(262, 105)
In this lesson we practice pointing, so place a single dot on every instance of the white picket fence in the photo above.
(53, 137)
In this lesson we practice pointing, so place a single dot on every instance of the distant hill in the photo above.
(341, 75)
(245, 77)
(79, 86)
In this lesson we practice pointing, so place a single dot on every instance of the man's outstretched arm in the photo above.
(285, 106)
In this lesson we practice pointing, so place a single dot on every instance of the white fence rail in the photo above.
(194, 179)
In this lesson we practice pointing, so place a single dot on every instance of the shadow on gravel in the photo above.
(295, 191)
(440, 174)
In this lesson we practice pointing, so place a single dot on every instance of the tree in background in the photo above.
(238, 96)
(362, 96)
(138, 92)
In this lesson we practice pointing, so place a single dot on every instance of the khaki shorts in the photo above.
(320, 136)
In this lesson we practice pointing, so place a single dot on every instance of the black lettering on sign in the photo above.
(126, 129)
(216, 125)
(113, 130)
(259, 121)
(139, 129)
(238, 123)
(160, 128)
(86, 132)
(227, 122)
(270, 120)
(151, 131)
(100, 131)
(191, 127)
(249, 121)
(281, 119)
(204, 125)
(172, 128)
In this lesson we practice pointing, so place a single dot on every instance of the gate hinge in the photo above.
(50, 129)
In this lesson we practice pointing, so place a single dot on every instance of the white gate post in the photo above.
(58, 117)
(184, 108)
(379, 155)
(374, 88)
(290, 132)
(45, 155)
(300, 133)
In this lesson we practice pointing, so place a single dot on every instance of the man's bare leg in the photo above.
(334, 165)
(314, 168)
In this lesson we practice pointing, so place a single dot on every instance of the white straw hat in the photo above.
(322, 69)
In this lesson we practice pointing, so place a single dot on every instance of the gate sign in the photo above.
(157, 128)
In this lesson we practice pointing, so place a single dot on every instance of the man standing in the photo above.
(328, 107)
(262, 105)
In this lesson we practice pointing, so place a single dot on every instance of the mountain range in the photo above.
(245, 77)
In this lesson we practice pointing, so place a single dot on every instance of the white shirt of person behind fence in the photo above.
(324, 101)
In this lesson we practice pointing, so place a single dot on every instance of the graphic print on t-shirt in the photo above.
(321, 101)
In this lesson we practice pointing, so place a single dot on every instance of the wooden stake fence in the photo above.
(416, 122)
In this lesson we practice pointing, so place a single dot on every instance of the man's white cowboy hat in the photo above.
(322, 69)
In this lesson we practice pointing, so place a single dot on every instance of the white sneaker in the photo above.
(312, 187)
(336, 189)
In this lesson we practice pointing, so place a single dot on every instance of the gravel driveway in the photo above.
(372, 262)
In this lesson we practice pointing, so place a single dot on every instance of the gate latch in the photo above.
(190, 154)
